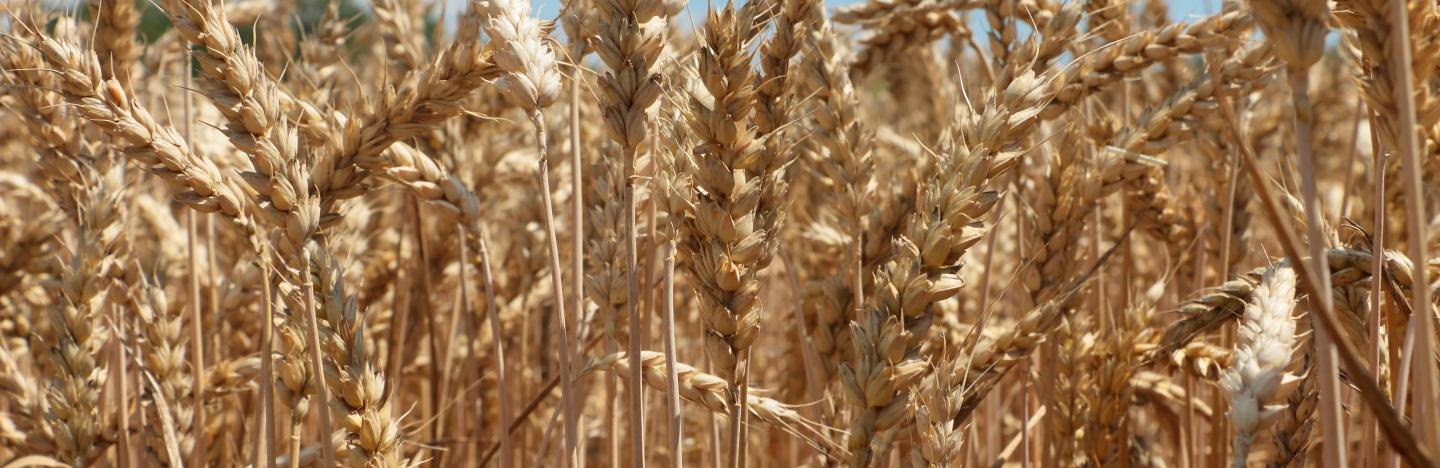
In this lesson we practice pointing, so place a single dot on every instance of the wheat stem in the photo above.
(1422, 320)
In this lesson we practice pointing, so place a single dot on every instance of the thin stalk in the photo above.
(400, 322)
(453, 329)
(1377, 306)
(122, 392)
(992, 433)
(317, 364)
(742, 416)
(611, 419)
(471, 323)
(497, 335)
(1025, 413)
(714, 429)
(1219, 421)
(1407, 361)
(1352, 151)
(212, 287)
(198, 455)
(567, 386)
(539, 397)
(1019, 439)
(577, 204)
(1226, 239)
(737, 411)
(526, 344)
(545, 439)
(637, 389)
(295, 454)
(1188, 457)
(421, 299)
(1421, 319)
(672, 402)
(1226, 236)
(647, 284)
(398, 312)
(813, 390)
(266, 420)
(1331, 419)
(197, 345)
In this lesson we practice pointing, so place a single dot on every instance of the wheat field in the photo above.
(888, 234)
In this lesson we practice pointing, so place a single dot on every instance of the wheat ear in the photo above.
(725, 236)
(948, 219)
(1213, 308)
(1265, 339)
(87, 282)
(163, 357)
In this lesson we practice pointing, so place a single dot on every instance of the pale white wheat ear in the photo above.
(1264, 342)
(531, 79)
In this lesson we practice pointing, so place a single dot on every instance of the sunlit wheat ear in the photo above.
(629, 41)
(1129, 56)
(532, 80)
(109, 105)
(949, 218)
(727, 235)
(1211, 309)
(1265, 341)
(89, 284)
(842, 146)
(939, 442)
